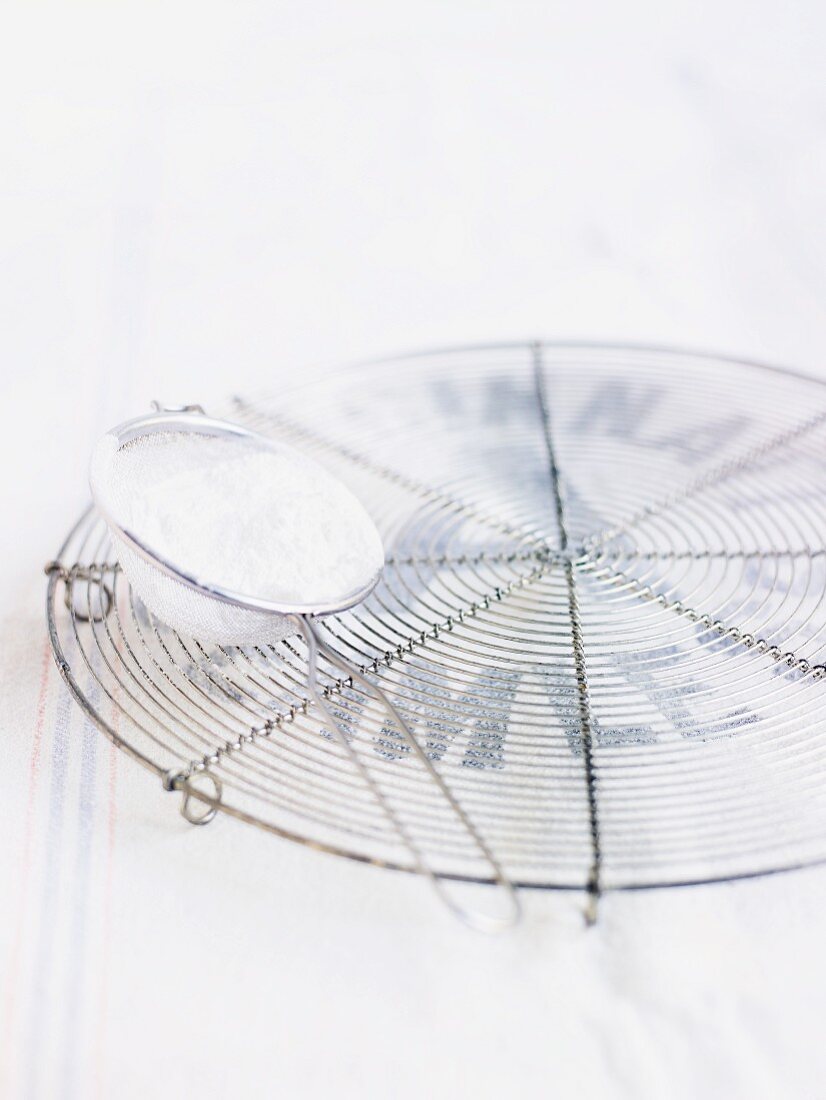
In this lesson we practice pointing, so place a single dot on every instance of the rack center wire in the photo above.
(577, 639)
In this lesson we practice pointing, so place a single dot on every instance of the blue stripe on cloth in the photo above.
(50, 896)
(80, 889)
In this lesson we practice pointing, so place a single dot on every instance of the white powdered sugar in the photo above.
(255, 519)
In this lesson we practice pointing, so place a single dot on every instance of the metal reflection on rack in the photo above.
(702, 612)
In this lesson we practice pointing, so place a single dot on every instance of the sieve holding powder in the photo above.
(237, 539)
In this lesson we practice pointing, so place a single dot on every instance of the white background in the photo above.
(199, 199)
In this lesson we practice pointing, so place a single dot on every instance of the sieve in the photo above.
(205, 602)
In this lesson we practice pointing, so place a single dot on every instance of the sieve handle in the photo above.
(473, 918)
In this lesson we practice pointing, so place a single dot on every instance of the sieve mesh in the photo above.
(244, 519)
(195, 612)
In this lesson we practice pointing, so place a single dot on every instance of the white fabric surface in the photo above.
(205, 199)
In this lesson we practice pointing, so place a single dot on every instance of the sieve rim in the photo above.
(198, 423)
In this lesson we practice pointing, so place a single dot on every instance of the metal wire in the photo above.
(602, 612)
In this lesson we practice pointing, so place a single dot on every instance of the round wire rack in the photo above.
(602, 613)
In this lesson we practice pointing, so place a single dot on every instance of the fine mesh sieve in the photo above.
(173, 486)
(183, 571)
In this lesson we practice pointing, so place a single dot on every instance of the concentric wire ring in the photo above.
(602, 612)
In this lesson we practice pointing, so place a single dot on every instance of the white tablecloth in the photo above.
(202, 199)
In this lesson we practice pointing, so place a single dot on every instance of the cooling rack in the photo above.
(602, 612)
